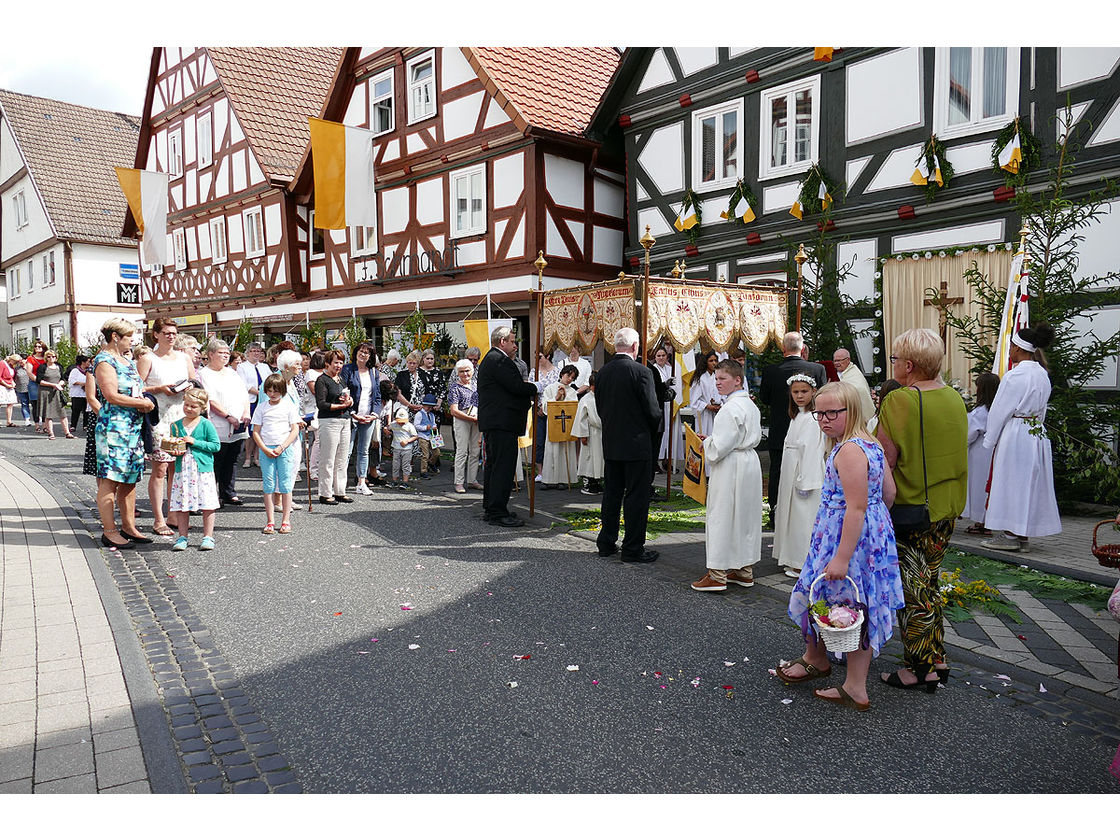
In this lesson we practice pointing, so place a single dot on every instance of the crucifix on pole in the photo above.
(942, 302)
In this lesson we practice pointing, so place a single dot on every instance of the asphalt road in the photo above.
(364, 695)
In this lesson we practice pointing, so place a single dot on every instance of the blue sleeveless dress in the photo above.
(874, 563)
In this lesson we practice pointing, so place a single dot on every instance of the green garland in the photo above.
(741, 193)
(692, 201)
(935, 147)
(951, 251)
(1030, 149)
(809, 197)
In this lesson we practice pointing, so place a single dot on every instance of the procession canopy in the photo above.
(680, 311)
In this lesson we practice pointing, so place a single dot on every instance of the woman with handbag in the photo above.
(923, 427)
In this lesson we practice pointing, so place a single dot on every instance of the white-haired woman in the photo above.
(462, 400)
(289, 364)
(392, 365)
(165, 373)
(229, 412)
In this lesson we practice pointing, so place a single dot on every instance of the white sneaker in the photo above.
(296, 506)
(363, 488)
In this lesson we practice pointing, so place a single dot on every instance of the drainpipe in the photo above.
(68, 269)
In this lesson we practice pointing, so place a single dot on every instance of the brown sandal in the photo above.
(163, 531)
(977, 529)
(844, 699)
(812, 672)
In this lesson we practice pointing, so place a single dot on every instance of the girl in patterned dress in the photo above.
(852, 536)
(193, 488)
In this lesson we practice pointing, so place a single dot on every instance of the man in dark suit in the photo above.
(774, 392)
(503, 405)
(627, 404)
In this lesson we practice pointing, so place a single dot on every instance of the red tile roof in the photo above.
(273, 90)
(554, 88)
(71, 151)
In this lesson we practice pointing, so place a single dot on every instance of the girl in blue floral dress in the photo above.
(852, 536)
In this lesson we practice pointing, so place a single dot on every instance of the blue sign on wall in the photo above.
(130, 272)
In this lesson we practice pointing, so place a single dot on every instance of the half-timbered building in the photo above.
(695, 121)
(229, 127)
(67, 267)
(482, 161)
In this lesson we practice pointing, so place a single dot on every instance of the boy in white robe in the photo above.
(560, 462)
(799, 490)
(733, 527)
(589, 429)
(979, 458)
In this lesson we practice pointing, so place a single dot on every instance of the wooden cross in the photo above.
(564, 417)
(943, 302)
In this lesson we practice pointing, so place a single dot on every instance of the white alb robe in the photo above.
(733, 526)
(559, 465)
(666, 374)
(799, 491)
(1022, 497)
(979, 465)
(854, 376)
(702, 393)
(588, 425)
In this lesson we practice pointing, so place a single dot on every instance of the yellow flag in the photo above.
(343, 175)
(796, 210)
(824, 196)
(748, 216)
(921, 175)
(741, 210)
(146, 193)
(685, 222)
(1011, 155)
(822, 53)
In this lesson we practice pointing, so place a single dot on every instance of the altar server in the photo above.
(589, 429)
(704, 396)
(560, 458)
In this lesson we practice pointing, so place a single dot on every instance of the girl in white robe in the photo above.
(979, 458)
(733, 526)
(665, 371)
(560, 458)
(1021, 500)
(589, 429)
(799, 491)
(703, 394)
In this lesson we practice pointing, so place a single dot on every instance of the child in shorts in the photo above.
(404, 435)
(275, 429)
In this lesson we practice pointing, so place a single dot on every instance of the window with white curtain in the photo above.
(421, 74)
(717, 149)
(175, 153)
(790, 127)
(179, 238)
(205, 133)
(363, 240)
(219, 246)
(976, 89)
(381, 115)
(254, 232)
(468, 201)
(19, 208)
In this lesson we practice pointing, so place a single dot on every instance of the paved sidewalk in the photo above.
(70, 721)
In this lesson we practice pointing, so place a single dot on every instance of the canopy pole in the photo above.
(541, 264)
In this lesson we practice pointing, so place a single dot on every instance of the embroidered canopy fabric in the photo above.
(679, 312)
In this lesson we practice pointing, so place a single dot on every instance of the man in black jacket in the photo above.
(503, 406)
(628, 407)
(774, 392)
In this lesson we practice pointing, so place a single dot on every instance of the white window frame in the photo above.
(312, 254)
(977, 124)
(420, 59)
(19, 206)
(55, 331)
(175, 153)
(30, 276)
(453, 179)
(155, 270)
(374, 99)
(253, 231)
(48, 268)
(366, 236)
(205, 134)
(179, 240)
(218, 234)
(698, 117)
(789, 91)
(14, 282)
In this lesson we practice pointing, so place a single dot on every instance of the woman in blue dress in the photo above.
(852, 536)
(120, 453)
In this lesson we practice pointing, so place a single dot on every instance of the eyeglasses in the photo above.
(828, 414)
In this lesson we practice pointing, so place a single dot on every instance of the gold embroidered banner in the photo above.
(584, 315)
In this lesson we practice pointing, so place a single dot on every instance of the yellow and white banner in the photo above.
(695, 482)
(478, 332)
(1014, 315)
(343, 164)
(146, 193)
(1011, 155)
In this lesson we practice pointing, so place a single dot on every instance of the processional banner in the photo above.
(723, 314)
(695, 482)
(561, 413)
(583, 316)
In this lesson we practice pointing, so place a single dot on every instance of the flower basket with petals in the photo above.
(838, 625)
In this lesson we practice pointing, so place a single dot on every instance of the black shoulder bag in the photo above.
(909, 519)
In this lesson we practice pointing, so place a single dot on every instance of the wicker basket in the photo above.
(1107, 555)
(838, 639)
(173, 446)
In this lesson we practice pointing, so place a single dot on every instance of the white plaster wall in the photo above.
(16, 240)
(657, 73)
(564, 179)
(10, 159)
(392, 151)
(657, 223)
(235, 234)
(221, 122)
(884, 94)
(896, 169)
(38, 297)
(509, 179)
(981, 232)
(1077, 65)
(860, 282)
(460, 115)
(1099, 253)
(608, 198)
(96, 272)
(471, 253)
(854, 168)
(415, 143)
(394, 210)
(969, 158)
(576, 229)
(694, 59)
(454, 69)
(663, 157)
(1103, 323)
(272, 224)
(554, 243)
(357, 110)
(1109, 130)
(237, 169)
(494, 115)
(429, 201)
(236, 134)
(517, 243)
(780, 197)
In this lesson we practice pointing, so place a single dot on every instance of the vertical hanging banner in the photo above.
(343, 174)
(561, 413)
(695, 483)
(478, 332)
(146, 193)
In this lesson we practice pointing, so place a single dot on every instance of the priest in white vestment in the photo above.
(1021, 501)
(851, 374)
(559, 465)
(589, 429)
(733, 526)
(799, 492)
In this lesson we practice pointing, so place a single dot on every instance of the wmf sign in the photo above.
(128, 287)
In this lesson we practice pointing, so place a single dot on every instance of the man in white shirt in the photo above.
(254, 372)
(854, 376)
(581, 382)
